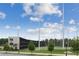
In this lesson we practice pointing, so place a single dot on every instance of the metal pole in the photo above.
(66, 47)
(39, 37)
(63, 27)
(17, 32)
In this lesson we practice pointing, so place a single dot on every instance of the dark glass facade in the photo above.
(24, 43)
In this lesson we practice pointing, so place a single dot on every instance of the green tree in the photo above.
(3, 41)
(11, 49)
(50, 46)
(75, 46)
(6, 48)
(46, 42)
(31, 46)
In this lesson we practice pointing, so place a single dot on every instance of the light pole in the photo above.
(18, 28)
(39, 43)
(63, 27)
(66, 47)
(39, 37)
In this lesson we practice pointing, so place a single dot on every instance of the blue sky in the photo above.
(25, 19)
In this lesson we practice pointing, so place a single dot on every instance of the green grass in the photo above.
(57, 50)
(1, 48)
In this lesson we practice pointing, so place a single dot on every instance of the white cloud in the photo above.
(36, 31)
(36, 14)
(2, 15)
(46, 32)
(72, 21)
(70, 32)
(71, 29)
(55, 26)
(27, 8)
(36, 19)
(42, 9)
(7, 27)
(49, 9)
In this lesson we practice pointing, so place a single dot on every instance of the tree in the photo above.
(6, 47)
(31, 46)
(11, 49)
(3, 41)
(75, 46)
(46, 42)
(50, 46)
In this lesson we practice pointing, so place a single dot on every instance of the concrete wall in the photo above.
(15, 41)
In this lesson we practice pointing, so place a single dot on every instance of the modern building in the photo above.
(19, 42)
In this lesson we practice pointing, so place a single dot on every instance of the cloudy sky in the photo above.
(26, 19)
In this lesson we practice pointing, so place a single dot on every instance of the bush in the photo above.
(11, 49)
(31, 46)
(50, 46)
(75, 46)
(6, 47)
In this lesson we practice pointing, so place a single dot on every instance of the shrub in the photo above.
(31, 46)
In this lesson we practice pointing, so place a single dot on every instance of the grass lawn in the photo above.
(57, 50)
(1, 48)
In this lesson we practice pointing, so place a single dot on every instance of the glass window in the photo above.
(11, 43)
(11, 39)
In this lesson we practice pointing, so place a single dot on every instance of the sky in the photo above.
(25, 20)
